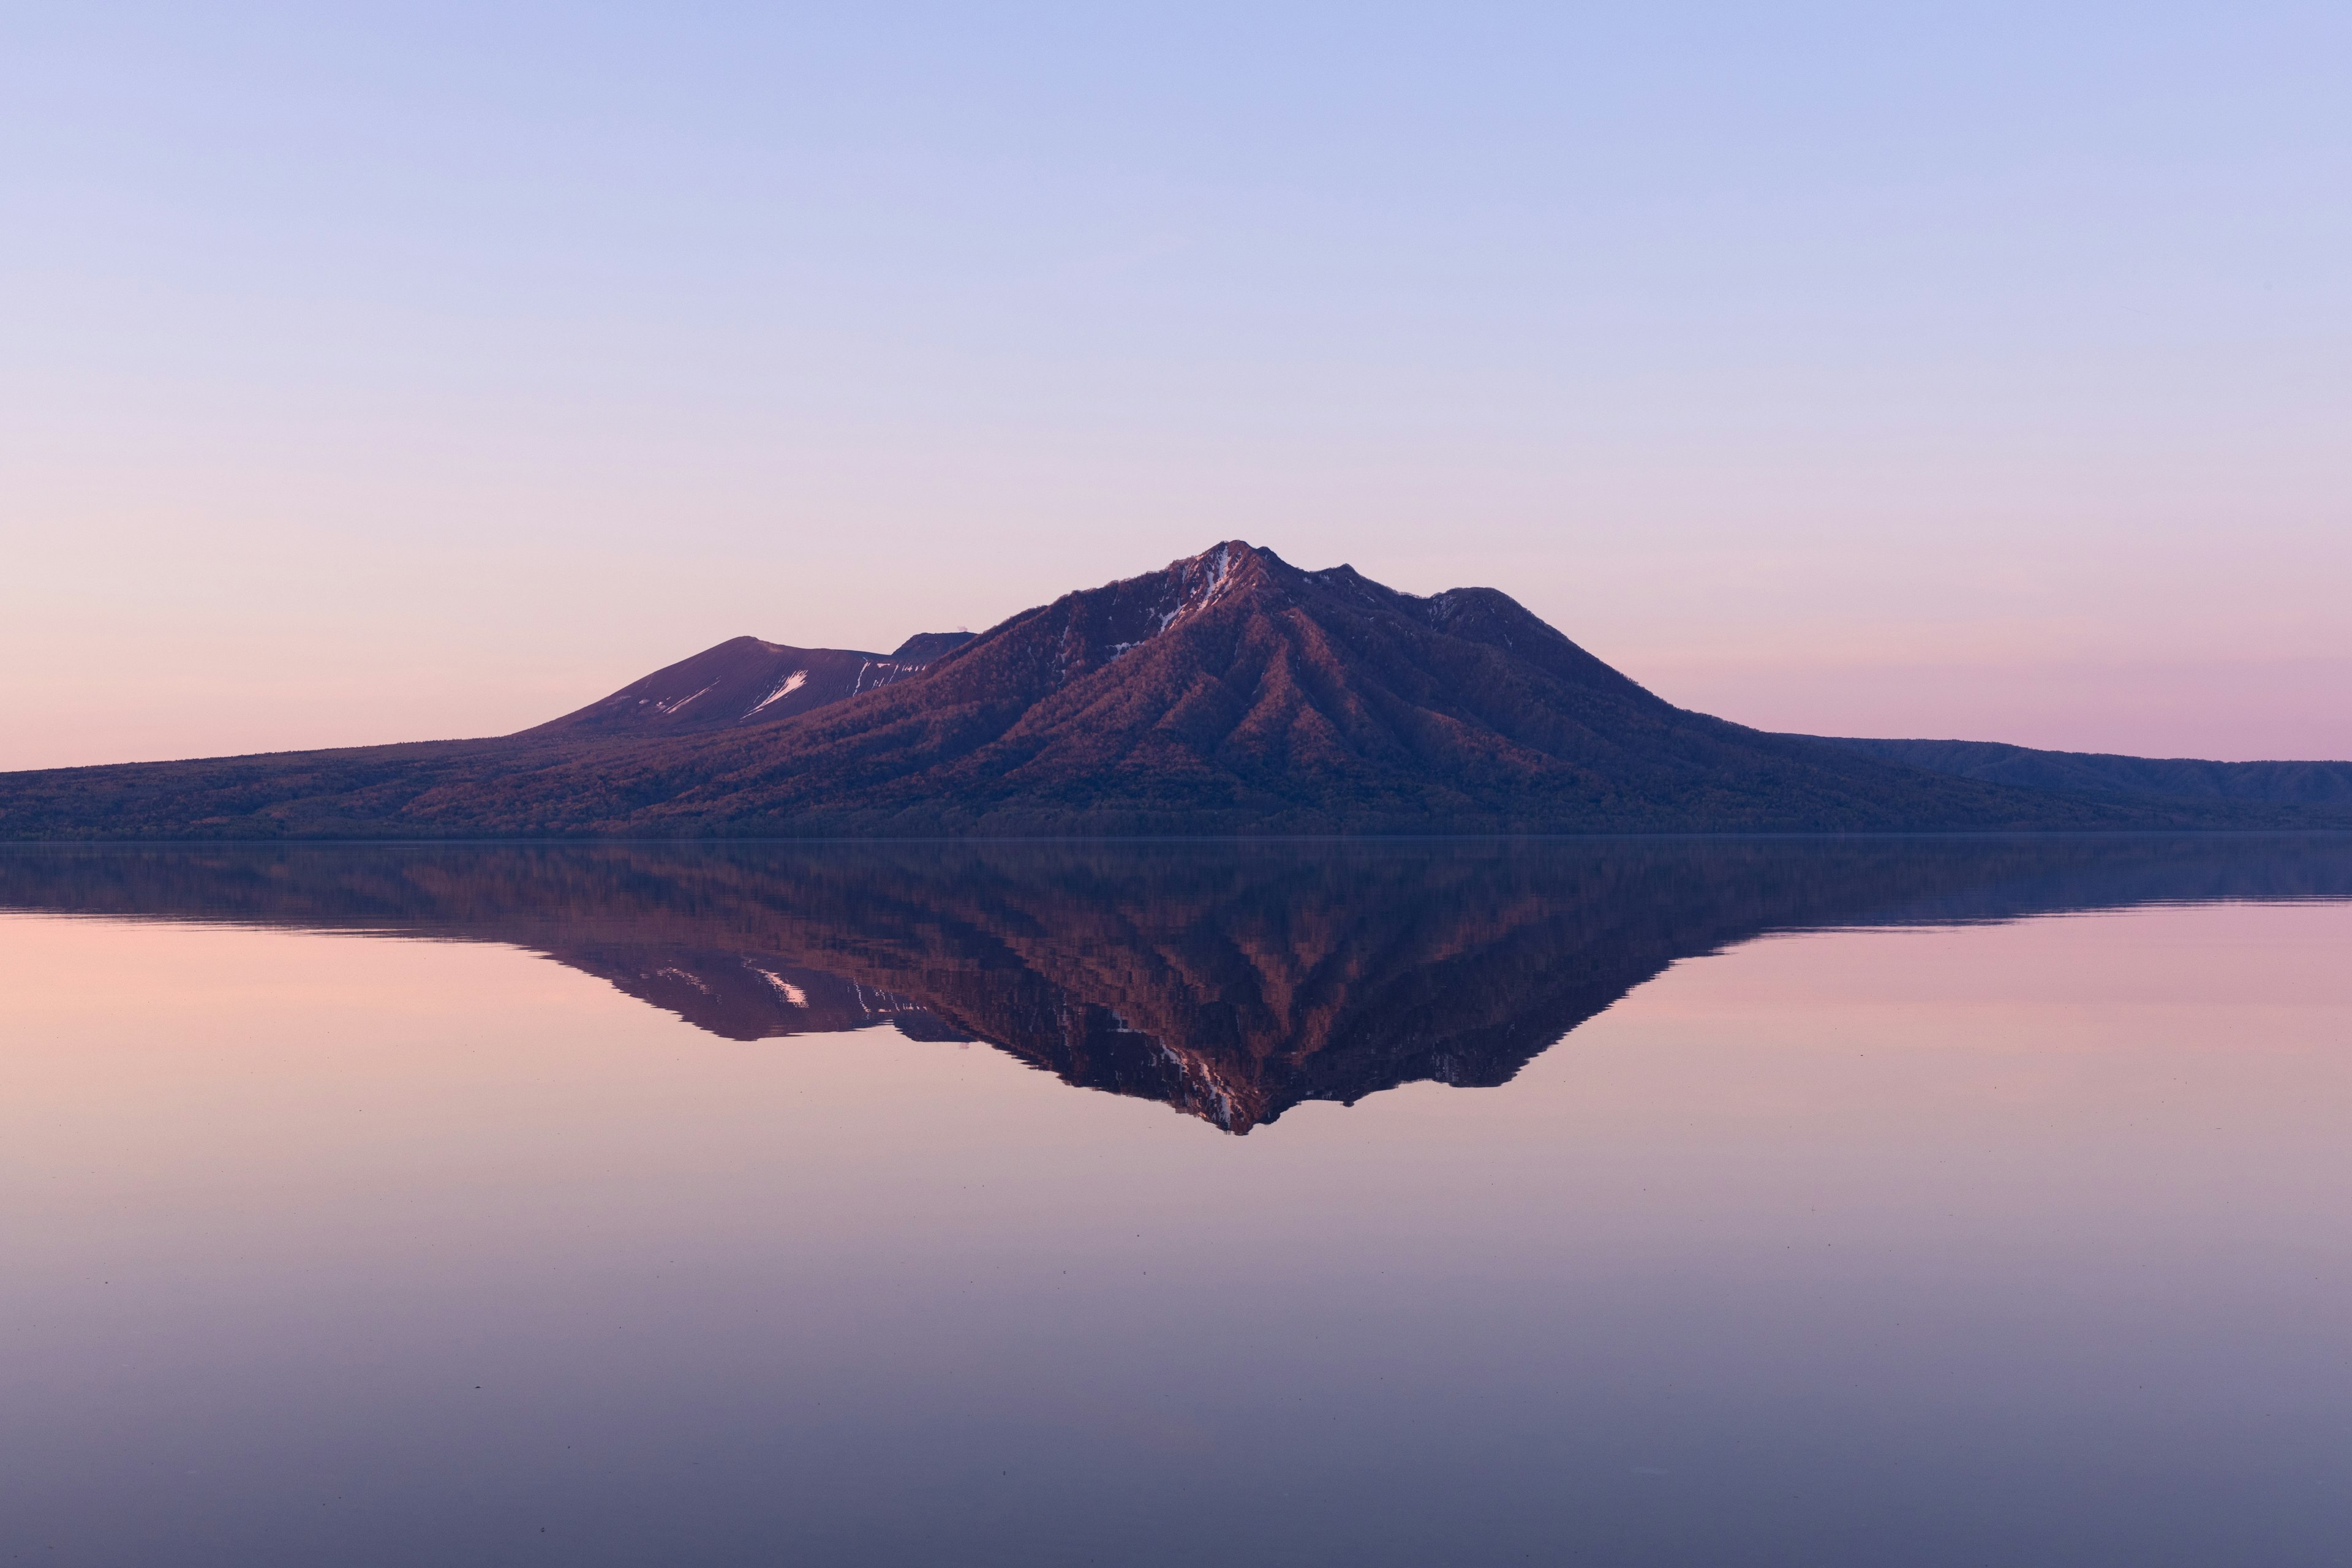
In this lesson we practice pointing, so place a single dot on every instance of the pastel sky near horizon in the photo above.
(373, 373)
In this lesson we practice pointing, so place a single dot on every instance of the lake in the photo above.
(1867, 1201)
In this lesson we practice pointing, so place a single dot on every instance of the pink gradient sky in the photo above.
(428, 372)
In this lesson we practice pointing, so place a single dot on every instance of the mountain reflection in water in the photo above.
(1229, 980)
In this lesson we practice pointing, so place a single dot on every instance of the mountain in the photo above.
(2101, 773)
(1232, 691)
(1229, 692)
(744, 681)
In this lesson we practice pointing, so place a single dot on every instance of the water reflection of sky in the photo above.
(2013, 1241)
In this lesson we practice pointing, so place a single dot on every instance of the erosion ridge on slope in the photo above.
(1229, 692)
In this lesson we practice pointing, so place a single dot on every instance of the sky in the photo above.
(385, 372)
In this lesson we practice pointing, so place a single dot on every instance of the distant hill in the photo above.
(1229, 692)
(746, 681)
(928, 647)
(2100, 772)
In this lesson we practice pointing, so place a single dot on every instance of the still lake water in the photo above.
(1862, 1202)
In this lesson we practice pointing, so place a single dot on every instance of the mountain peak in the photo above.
(1199, 581)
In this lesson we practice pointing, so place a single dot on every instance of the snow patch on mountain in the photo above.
(791, 683)
(674, 706)
(1202, 583)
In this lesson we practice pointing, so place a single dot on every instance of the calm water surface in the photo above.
(1857, 1203)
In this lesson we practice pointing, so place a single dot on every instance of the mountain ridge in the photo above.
(2109, 773)
(1228, 692)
